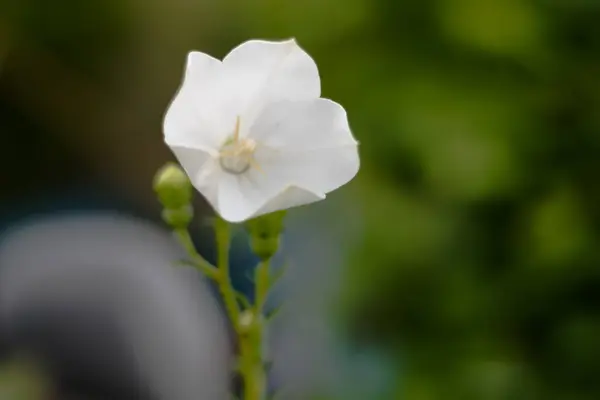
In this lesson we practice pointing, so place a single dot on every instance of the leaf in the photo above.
(185, 263)
(276, 277)
(272, 313)
(208, 270)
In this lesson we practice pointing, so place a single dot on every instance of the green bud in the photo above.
(178, 218)
(173, 187)
(265, 232)
(269, 225)
(264, 248)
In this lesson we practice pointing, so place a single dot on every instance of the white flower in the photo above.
(253, 134)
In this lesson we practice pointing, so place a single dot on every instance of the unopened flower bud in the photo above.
(179, 217)
(173, 187)
(264, 248)
(265, 232)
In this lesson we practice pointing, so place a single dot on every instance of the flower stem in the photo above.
(223, 238)
(253, 371)
(255, 383)
(196, 259)
(220, 273)
(261, 279)
(250, 335)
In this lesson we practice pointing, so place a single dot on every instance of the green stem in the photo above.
(261, 279)
(197, 260)
(223, 238)
(255, 382)
(250, 338)
(254, 370)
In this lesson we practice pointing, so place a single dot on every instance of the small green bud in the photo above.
(265, 232)
(268, 225)
(178, 218)
(173, 186)
(264, 248)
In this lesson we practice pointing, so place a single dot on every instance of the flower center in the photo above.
(237, 154)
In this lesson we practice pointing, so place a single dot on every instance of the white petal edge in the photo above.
(240, 199)
(198, 116)
(240, 196)
(200, 67)
(201, 168)
(308, 144)
(292, 196)
(303, 125)
(262, 72)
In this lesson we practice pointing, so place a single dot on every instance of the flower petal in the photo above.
(263, 72)
(200, 168)
(304, 150)
(292, 196)
(303, 125)
(199, 116)
(241, 197)
(308, 144)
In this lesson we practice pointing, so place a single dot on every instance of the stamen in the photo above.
(236, 132)
(236, 155)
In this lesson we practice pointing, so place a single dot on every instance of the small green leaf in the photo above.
(272, 313)
(185, 263)
(276, 277)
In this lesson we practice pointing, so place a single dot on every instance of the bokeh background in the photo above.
(467, 249)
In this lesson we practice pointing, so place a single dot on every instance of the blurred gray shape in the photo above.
(304, 339)
(310, 350)
(97, 296)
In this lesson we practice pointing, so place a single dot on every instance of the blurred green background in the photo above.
(477, 266)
